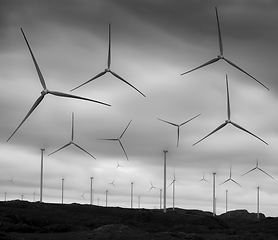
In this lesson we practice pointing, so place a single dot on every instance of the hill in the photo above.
(24, 220)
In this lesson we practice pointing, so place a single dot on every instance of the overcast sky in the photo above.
(152, 43)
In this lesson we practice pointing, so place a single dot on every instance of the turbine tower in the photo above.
(63, 190)
(41, 184)
(221, 57)
(108, 70)
(71, 141)
(165, 152)
(45, 91)
(131, 200)
(213, 195)
(178, 126)
(229, 121)
(91, 191)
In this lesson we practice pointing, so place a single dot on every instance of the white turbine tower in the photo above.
(221, 57)
(108, 70)
(213, 195)
(91, 191)
(45, 91)
(164, 202)
(63, 190)
(131, 200)
(41, 183)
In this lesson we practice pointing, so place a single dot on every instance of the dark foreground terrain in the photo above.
(24, 220)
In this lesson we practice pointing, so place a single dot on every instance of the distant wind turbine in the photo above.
(118, 165)
(82, 196)
(257, 167)
(178, 126)
(119, 139)
(11, 180)
(230, 178)
(174, 185)
(71, 141)
(152, 186)
(113, 183)
(108, 70)
(45, 91)
(229, 120)
(203, 179)
(221, 56)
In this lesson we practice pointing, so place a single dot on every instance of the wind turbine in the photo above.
(71, 141)
(229, 120)
(11, 180)
(118, 165)
(152, 186)
(230, 178)
(203, 179)
(178, 126)
(257, 167)
(82, 196)
(45, 91)
(174, 185)
(108, 70)
(119, 139)
(112, 183)
(221, 56)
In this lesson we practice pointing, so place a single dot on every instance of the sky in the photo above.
(152, 43)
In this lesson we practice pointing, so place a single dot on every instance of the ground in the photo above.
(40, 221)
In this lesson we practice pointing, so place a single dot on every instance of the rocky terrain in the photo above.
(30, 221)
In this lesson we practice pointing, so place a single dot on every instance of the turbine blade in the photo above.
(95, 77)
(60, 148)
(217, 129)
(228, 99)
(72, 126)
(240, 69)
(176, 125)
(117, 76)
(190, 119)
(235, 182)
(225, 181)
(203, 65)
(170, 184)
(37, 102)
(249, 171)
(60, 94)
(109, 46)
(109, 139)
(125, 129)
(266, 173)
(83, 150)
(219, 33)
(236, 125)
(123, 150)
(35, 62)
